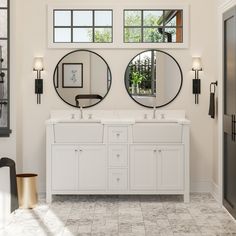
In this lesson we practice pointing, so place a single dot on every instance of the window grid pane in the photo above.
(3, 23)
(153, 18)
(102, 35)
(3, 3)
(62, 18)
(153, 35)
(102, 18)
(133, 17)
(155, 26)
(133, 35)
(83, 35)
(84, 26)
(62, 35)
(82, 18)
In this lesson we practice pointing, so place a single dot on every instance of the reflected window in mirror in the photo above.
(82, 26)
(153, 26)
(153, 78)
(82, 78)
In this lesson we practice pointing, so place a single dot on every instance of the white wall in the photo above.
(31, 41)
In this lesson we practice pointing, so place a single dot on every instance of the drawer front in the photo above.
(118, 156)
(117, 134)
(118, 179)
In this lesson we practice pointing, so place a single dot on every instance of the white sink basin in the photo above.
(78, 132)
(158, 132)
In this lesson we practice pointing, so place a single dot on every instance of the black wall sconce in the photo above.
(197, 66)
(38, 66)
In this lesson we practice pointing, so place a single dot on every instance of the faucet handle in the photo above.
(81, 112)
(154, 112)
(162, 116)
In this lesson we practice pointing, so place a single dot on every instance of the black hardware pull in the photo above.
(2, 75)
(233, 128)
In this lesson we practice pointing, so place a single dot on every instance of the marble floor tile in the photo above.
(123, 216)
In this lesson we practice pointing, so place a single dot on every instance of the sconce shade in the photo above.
(38, 63)
(197, 63)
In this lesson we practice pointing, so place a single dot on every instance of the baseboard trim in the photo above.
(215, 191)
(195, 187)
(201, 187)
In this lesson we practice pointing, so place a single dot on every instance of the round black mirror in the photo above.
(153, 78)
(82, 78)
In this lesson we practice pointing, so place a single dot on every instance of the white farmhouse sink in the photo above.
(78, 132)
(157, 132)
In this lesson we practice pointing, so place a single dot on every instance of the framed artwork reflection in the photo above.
(72, 75)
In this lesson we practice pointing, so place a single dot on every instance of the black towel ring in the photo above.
(214, 84)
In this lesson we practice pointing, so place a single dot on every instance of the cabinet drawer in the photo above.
(117, 134)
(118, 156)
(118, 179)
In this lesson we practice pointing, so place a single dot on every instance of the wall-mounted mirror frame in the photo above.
(78, 99)
(145, 69)
(5, 68)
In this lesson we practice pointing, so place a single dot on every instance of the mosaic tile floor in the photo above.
(123, 216)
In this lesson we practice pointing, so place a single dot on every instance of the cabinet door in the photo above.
(143, 167)
(92, 167)
(170, 168)
(64, 168)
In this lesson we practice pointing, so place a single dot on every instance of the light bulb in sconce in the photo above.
(197, 63)
(38, 63)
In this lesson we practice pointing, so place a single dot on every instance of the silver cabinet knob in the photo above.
(155, 150)
(159, 151)
(118, 179)
(117, 134)
(117, 155)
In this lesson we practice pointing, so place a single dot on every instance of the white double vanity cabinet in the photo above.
(117, 152)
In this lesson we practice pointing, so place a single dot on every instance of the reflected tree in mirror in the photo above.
(153, 26)
(82, 78)
(153, 78)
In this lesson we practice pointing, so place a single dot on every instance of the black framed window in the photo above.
(4, 69)
(153, 26)
(82, 26)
